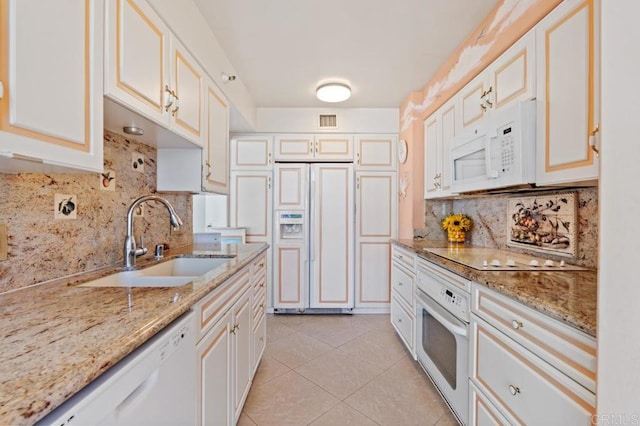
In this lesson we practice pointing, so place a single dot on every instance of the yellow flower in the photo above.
(457, 222)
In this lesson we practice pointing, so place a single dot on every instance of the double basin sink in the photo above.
(171, 273)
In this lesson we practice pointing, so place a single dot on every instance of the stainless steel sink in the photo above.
(172, 273)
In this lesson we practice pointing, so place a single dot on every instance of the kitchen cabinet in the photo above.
(547, 368)
(225, 353)
(51, 78)
(215, 155)
(259, 279)
(306, 147)
(200, 169)
(439, 130)
(375, 227)
(376, 152)
(149, 71)
(403, 289)
(568, 93)
(508, 79)
(252, 153)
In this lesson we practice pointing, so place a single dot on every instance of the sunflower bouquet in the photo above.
(456, 226)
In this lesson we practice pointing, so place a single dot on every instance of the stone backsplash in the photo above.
(489, 214)
(42, 247)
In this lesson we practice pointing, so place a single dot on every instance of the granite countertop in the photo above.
(57, 337)
(568, 296)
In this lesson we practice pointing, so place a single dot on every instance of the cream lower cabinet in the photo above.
(403, 308)
(568, 93)
(227, 355)
(51, 79)
(527, 368)
(259, 278)
(375, 227)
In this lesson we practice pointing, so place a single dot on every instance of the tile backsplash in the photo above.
(489, 214)
(42, 247)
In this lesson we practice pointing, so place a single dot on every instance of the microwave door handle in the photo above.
(447, 320)
(491, 174)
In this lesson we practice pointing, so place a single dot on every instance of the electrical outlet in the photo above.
(4, 241)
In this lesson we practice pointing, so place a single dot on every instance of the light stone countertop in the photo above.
(57, 337)
(568, 296)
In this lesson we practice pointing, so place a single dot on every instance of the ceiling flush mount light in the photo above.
(333, 92)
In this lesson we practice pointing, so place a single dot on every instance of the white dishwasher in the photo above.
(154, 385)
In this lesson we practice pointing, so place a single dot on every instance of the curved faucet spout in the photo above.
(130, 250)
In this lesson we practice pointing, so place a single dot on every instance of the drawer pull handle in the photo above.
(399, 284)
(399, 320)
(262, 285)
(516, 324)
(514, 390)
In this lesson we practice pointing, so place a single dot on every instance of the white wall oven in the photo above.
(442, 334)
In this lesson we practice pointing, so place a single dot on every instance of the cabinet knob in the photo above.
(261, 305)
(399, 320)
(514, 390)
(516, 324)
(399, 284)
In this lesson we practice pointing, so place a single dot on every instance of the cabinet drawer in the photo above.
(569, 350)
(259, 302)
(482, 412)
(259, 269)
(525, 388)
(403, 321)
(213, 306)
(402, 283)
(404, 258)
(259, 340)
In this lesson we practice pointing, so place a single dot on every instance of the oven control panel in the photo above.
(448, 295)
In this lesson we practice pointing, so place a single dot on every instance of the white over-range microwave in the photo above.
(497, 153)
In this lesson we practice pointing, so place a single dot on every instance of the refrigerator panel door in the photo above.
(291, 186)
(332, 237)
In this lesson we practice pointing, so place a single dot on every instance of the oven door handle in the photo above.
(451, 323)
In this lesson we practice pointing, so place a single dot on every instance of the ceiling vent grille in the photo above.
(327, 121)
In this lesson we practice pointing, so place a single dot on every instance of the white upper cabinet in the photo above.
(510, 78)
(306, 147)
(252, 153)
(376, 152)
(439, 130)
(216, 151)
(150, 72)
(568, 93)
(51, 75)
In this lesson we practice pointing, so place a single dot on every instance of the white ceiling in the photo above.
(385, 49)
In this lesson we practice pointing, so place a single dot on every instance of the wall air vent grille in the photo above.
(328, 121)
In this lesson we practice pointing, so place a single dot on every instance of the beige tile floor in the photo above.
(340, 370)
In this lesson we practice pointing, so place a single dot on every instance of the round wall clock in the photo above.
(402, 151)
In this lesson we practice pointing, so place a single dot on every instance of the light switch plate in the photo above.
(4, 241)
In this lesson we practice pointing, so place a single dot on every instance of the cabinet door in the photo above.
(52, 74)
(294, 148)
(242, 356)
(216, 151)
(291, 183)
(567, 93)
(472, 105)
(332, 241)
(376, 152)
(375, 227)
(187, 84)
(214, 365)
(448, 131)
(137, 60)
(512, 75)
(431, 157)
(251, 204)
(251, 153)
(481, 410)
(333, 147)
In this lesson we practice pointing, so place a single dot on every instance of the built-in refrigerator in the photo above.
(313, 237)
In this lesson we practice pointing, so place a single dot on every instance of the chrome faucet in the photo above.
(131, 252)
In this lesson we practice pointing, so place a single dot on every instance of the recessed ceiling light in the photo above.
(333, 92)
